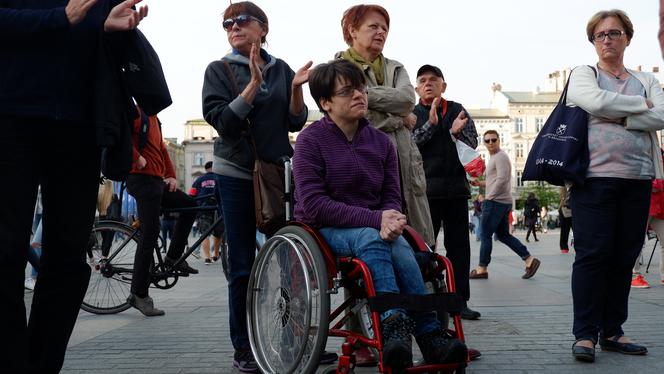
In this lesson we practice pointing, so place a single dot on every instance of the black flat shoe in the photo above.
(584, 354)
(625, 348)
(467, 313)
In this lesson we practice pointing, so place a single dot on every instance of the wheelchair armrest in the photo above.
(415, 240)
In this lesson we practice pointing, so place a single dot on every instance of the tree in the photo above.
(548, 195)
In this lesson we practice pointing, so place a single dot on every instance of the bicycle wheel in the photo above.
(287, 304)
(110, 254)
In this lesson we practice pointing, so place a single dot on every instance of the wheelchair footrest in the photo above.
(440, 302)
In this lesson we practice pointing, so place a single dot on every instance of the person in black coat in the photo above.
(531, 212)
(47, 78)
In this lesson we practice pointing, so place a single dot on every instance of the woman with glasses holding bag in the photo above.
(625, 108)
(248, 96)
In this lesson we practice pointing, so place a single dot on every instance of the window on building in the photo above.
(199, 159)
(519, 150)
(519, 182)
(539, 123)
(518, 125)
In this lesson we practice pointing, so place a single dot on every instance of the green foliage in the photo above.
(548, 195)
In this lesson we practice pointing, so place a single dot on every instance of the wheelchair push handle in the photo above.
(288, 198)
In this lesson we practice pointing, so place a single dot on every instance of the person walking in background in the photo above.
(625, 109)
(152, 183)
(263, 98)
(477, 215)
(167, 222)
(34, 253)
(448, 191)
(531, 212)
(206, 185)
(391, 101)
(565, 216)
(544, 216)
(496, 210)
(656, 222)
(48, 58)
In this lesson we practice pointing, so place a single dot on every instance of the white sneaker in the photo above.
(30, 283)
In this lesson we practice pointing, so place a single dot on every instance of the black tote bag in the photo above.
(560, 152)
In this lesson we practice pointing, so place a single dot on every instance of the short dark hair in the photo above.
(208, 165)
(249, 8)
(487, 132)
(430, 69)
(354, 16)
(324, 77)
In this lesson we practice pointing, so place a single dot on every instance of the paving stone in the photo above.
(525, 325)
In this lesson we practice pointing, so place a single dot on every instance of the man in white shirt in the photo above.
(496, 210)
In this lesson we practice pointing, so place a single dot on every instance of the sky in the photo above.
(516, 43)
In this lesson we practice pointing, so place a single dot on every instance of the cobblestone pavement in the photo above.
(525, 325)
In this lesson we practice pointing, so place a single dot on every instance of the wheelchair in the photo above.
(289, 312)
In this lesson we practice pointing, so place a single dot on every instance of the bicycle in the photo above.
(110, 254)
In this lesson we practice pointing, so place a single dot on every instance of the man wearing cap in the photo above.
(448, 191)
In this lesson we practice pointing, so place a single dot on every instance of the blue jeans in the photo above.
(495, 220)
(237, 198)
(477, 222)
(392, 265)
(610, 217)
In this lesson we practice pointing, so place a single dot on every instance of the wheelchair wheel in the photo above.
(110, 253)
(287, 303)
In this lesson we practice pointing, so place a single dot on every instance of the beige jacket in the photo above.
(585, 92)
(388, 104)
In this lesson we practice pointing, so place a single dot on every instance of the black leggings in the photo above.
(531, 228)
(151, 194)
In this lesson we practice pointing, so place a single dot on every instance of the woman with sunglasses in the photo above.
(625, 108)
(261, 101)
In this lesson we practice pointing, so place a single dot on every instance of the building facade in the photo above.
(176, 154)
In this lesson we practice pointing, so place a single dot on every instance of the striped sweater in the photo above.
(343, 183)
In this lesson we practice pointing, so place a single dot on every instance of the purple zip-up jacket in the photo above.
(343, 183)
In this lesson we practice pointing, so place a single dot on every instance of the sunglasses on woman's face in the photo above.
(241, 20)
(490, 140)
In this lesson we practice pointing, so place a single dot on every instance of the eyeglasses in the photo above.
(612, 34)
(349, 91)
(490, 140)
(241, 20)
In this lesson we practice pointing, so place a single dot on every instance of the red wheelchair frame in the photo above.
(354, 269)
(340, 272)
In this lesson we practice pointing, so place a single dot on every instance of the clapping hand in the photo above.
(433, 112)
(302, 75)
(122, 17)
(460, 122)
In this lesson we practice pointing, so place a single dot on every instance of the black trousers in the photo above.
(531, 228)
(610, 217)
(565, 226)
(453, 215)
(151, 194)
(64, 159)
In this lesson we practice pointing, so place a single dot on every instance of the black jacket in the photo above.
(446, 177)
(47, 67)
(531, 210)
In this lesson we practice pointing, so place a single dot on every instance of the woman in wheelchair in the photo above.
(347, 186)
